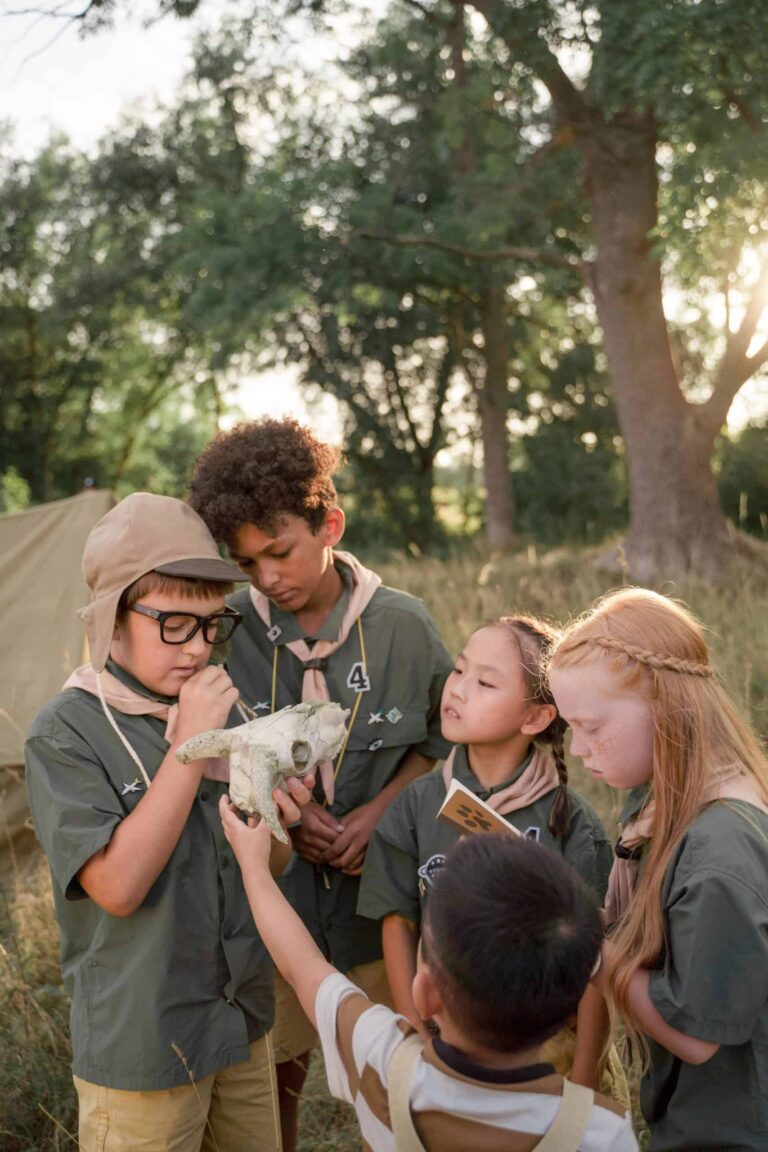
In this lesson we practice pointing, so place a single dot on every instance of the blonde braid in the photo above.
(653, 659)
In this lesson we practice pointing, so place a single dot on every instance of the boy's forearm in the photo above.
(592, 1026)
(400, 940)
(296, 956)
(279, 855)
(120, 876)
(412, 765)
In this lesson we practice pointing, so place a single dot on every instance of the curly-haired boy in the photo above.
(317, 624)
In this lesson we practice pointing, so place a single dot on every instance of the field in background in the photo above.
(36, 1097)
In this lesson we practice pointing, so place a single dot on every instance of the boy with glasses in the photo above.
(171, 989)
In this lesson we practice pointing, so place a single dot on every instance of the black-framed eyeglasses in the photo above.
(179, 627)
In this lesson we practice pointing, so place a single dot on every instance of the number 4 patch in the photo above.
(358, 679)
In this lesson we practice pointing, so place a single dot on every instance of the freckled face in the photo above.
(612, 727)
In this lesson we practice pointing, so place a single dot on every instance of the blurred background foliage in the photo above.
(366, 225)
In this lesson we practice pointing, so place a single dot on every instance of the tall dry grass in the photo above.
(36, 1099)
(37, 1103)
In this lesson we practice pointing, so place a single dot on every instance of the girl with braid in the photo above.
(507, 734)
(686, 962)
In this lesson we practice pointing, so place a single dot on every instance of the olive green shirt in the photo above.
(406, 666)
(186, 970)
(712, 983)
(409, 845)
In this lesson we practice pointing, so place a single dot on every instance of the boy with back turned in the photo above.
(502, 966)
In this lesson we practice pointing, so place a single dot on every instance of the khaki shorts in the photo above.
(293, 1033)
(234, 1110)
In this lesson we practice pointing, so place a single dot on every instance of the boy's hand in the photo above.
(289, 802)
(205, 701)
(347, 853)
(293, 798)
(251, 842)
(318, 830)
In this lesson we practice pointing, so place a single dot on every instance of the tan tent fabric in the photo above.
(41, 588)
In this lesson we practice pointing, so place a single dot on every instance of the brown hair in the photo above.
(260, 471)
(192, 586)
(656, 648)
(535, 640)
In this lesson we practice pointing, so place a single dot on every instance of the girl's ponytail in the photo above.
(560, 816)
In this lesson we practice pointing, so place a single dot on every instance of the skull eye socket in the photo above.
(300, 752)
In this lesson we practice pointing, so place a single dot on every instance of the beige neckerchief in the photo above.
(314, 685)
(537, 779)
(727, 782)
(131, 703)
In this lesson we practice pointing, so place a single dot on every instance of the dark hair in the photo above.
(511, 934)
(260, 471)
(192, 586)
(536, 639)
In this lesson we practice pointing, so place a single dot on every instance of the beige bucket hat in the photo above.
(143, 533)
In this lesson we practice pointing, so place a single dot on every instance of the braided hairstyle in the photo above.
(536, 639)
(656, 650)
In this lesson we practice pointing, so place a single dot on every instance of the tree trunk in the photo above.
(676, 524)
(493, 403)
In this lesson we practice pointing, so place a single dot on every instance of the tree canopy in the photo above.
(463, 227)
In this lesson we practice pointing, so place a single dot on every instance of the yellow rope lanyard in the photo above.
(355, 709)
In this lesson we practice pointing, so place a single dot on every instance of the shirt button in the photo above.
(204, 794)
(225, 861)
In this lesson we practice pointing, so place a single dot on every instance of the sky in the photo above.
(53, 79)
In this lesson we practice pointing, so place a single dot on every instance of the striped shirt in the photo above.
(455, 1104)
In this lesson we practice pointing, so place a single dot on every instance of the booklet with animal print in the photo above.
(468, 812)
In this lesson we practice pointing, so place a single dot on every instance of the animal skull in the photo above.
(263, 752)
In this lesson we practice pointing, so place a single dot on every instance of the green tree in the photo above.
(664, 107)
(742, 477)
(89, 341)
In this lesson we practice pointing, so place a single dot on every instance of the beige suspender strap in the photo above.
(565, 1134)
(399, 1075)
(571, 1119)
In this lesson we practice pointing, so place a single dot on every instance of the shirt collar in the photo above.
(463, 773)
(125, 677)
(459, 1062)
(634, 803)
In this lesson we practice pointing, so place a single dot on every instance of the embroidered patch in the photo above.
(375, 745)
(274, 633)
(430, 868)
(394, 715)
(375, 718)
(358, 679)
(134, 786)
(533, 833)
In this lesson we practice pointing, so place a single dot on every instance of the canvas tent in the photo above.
(41, 638)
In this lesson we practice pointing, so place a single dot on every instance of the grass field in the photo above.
(37, 1111)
